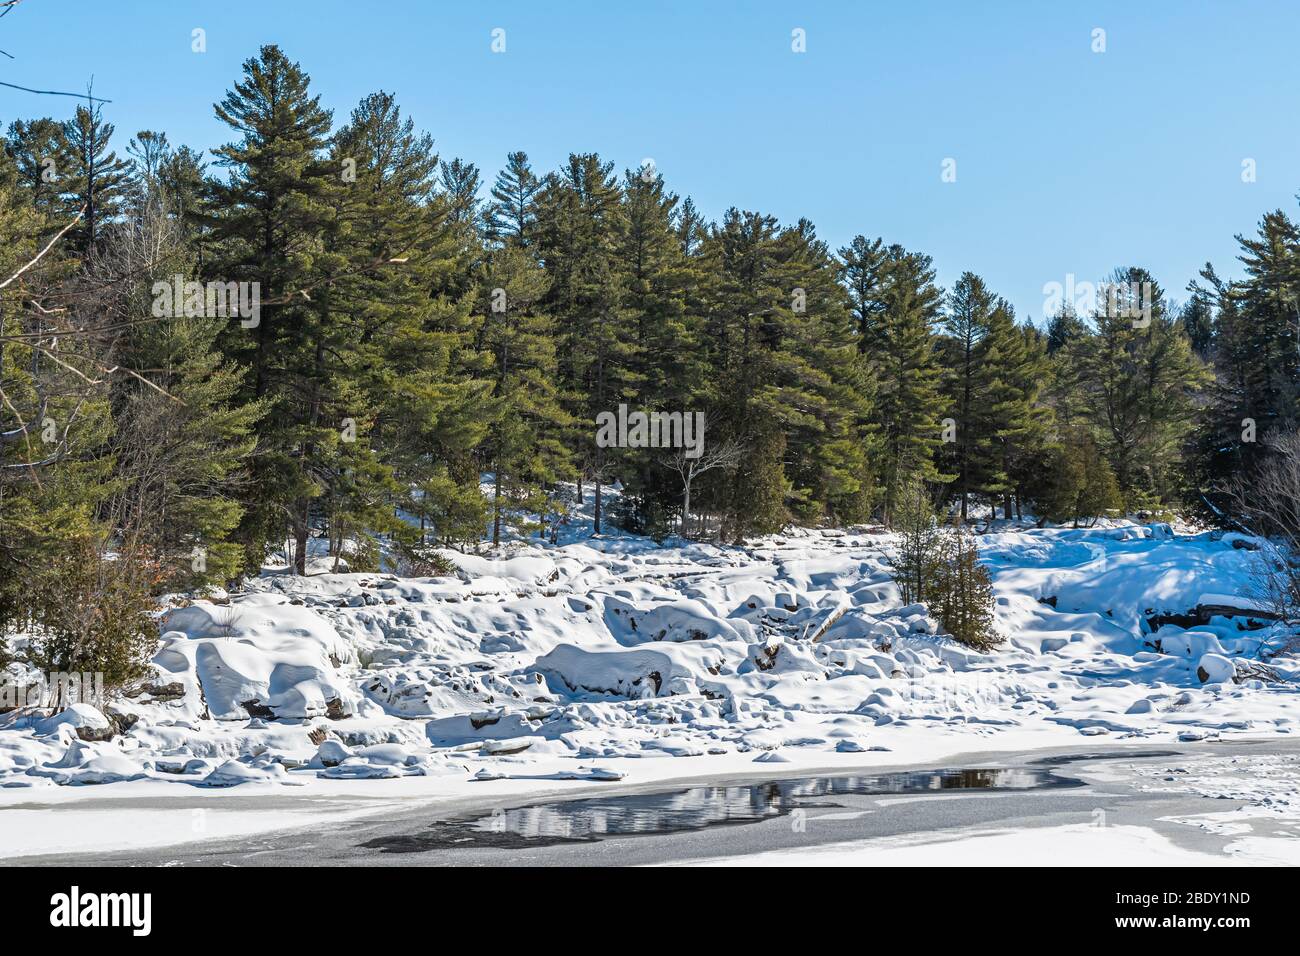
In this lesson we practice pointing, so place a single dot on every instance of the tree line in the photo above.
(416, 328)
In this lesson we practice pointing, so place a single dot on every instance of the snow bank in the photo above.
(617, 647)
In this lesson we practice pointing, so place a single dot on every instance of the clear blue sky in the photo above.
(1068, 161)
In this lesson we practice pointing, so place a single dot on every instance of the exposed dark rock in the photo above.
(1247, 619)
(256, 708)
(118, 723)
(174, 690)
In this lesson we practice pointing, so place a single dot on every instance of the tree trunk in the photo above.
(300, 540)
(496, 506)
(686, 511)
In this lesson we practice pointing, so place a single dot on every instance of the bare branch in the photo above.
(50, 245)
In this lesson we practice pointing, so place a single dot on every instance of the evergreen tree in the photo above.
(79, 607)
(1063, 328)
(461, 182)
(38, 149)
(580, 222)
(405, 365)
(1197, 323)
(525, 449)
(655, 276)
(1256, 392)
(1075, 482)
(96, 181)
(513, 211)
(1031, 417)
(181, 437)
(824, 386)
(915, 564)
(963, 591)
(269, 217)
(1139, 383)
(863, 274)
(1015, 359)
(967, 383)
(691, 228)
(908, 403)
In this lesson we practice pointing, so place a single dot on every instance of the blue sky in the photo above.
(1068, 161)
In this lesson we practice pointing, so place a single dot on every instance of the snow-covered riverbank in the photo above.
(617, 659)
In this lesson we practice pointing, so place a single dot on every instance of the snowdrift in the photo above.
(622, 648)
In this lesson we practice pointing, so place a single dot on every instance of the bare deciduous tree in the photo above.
(725, 454)
(1267, 503)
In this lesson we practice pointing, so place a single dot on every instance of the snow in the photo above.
(586, 659)
(1073, 845)
(75, 716)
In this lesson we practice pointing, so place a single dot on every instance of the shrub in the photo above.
(87, 611)
(963, 591)
(425, 563)
(915, 565)
(1078, 483)
(940, 568)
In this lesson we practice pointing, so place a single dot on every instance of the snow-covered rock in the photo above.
(1215, 669)
(620, 648)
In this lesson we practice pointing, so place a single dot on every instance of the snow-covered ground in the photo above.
(613, 658)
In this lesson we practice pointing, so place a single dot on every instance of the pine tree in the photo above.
(182, 439)
(268, 225)
(38, 149)
(525, 449)
(1031, 416)
(660, 301)
(963, 591)
(1256, 390)
(908, 403)
(1075, 481)
(148, 150)
(1197, 323)
(966, 386)
(1018, 423)
(915, 563)
(513, 212)
(1064, 327)
(79, 607)
(744, 331)
(863, 274)
(691, 228)
(461, 183)
(1139, 382)
(406, 365)
(96, 181)
(580, 221)
(824, 386)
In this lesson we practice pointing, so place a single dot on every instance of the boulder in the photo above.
(1216, 669)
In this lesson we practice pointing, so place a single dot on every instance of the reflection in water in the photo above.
(699, 807)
